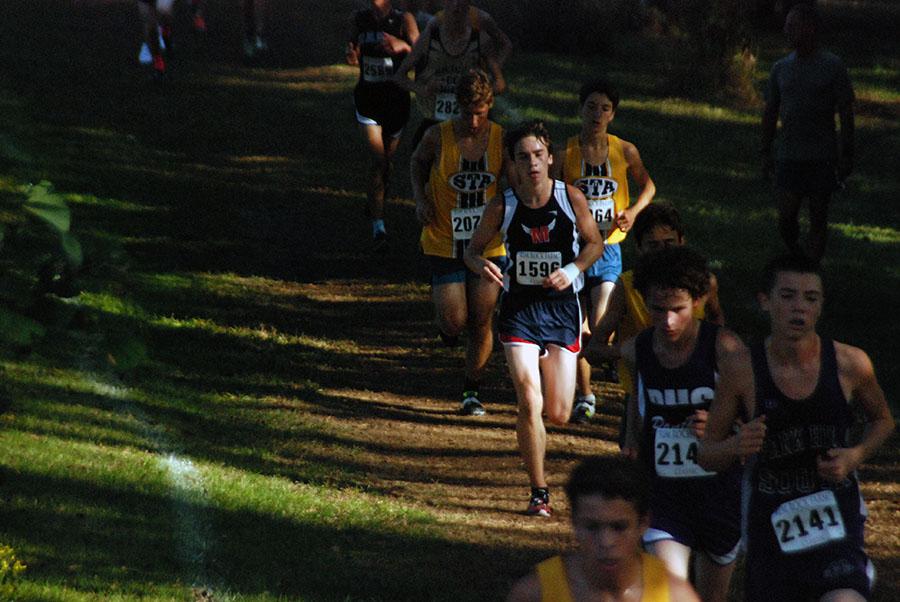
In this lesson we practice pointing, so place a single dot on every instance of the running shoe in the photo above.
(159, 67)
(260, 44)
(145, 57)
(582, 412)
(539, 505)
(471, 406)
(199, 24)
(380, 242)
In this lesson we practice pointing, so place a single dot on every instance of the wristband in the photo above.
(571, 271)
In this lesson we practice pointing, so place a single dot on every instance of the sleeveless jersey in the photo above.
(555, 584)
(445, 67)
(460, 189)
(538, 242)
(667, 398)
(788, 509)
(376, 66)
(636, 319)
(604, 185)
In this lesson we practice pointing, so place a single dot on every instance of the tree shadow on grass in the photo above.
(96, 535)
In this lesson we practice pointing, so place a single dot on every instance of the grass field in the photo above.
(243, 403)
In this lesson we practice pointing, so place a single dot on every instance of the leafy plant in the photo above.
(26, 215)
(10, 570)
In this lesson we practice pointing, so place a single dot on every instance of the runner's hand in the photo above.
(625, 220)
(835, 464)
(698, 423)
(491, 271)
(558, 280)
(750, 437)
(394, 45)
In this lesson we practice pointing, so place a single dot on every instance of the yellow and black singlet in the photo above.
(555, 583)
(605, 186)
(459, 189)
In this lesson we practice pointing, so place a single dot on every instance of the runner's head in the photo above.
(792, 294)
(475, 95)
(610, 499)
(801, 26)
(531, 150)
(673, 281)
(658, 226)
(598, 100)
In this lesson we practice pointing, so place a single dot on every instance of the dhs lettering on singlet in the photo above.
(471, 181)
(597, 187)
(680, 397)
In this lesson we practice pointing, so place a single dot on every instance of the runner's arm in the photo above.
(420, 164)
(419, 49)
(856, 368)
(351, 54)
(410, 28)
(712, 306)
(845, 157)
(592, 247)
(633, 420)
(734, 399)
(491, 220)
(641, 177)
(599, 349)
(501, 43)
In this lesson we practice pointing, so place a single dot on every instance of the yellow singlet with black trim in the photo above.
(605, 186)
(636, 319)
(555, 584)
(460, 188)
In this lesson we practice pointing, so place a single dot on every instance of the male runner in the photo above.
(550, 238)
(803, 514)
(379, 39)
(454, 171)
(656, 227)
(805, 90)
(676, 363)
(599, 164)
(610, 499)
(457, 39)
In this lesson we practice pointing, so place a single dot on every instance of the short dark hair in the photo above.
(657, 214)
(599, 86)
(672, 268)
(534, 128)
(612, 477)
(789, 262)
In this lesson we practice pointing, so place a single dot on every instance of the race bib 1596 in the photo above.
(532, 267)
